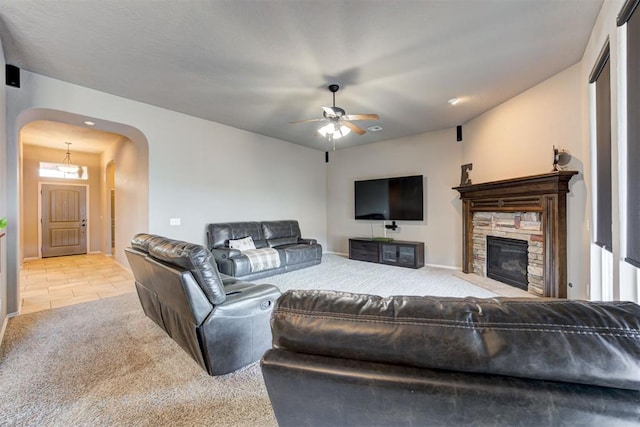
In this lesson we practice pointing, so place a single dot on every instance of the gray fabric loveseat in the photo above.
(221, 322)
(342, 359)
(280, 240)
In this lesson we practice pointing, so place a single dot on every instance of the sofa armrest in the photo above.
(245, 298)
(307, 241)
(232, 262)
(224, 253)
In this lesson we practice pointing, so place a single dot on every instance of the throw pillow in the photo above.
(242, 244)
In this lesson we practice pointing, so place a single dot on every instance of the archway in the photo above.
(130, 171)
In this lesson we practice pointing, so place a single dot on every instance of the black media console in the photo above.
(394, 252)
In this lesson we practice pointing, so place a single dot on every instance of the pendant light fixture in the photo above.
(67, 167)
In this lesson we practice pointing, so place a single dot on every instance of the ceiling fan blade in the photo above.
(361, 117)
(329, 112)
(305, 121)
(355, 128)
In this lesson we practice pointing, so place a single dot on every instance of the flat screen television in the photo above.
(397, 199)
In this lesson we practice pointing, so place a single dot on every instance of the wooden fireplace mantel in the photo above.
(545, 193)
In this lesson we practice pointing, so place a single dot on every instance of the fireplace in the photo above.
(545, 196)
(507, 261)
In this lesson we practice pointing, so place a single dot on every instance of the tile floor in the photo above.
(55, 282)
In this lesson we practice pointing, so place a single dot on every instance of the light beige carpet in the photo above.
(105, 363)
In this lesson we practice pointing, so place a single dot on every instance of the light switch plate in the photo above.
(174, 221)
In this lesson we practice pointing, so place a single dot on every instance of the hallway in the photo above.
(60, 281)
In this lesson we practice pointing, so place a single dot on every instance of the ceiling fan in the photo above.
(338, 121)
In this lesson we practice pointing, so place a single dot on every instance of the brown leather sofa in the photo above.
(342, 359)
(221, 322)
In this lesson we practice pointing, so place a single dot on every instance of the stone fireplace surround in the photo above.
(531, 208)
(525, 226)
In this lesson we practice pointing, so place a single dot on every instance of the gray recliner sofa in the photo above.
(294, 251)
(342, 359)
(221, 322)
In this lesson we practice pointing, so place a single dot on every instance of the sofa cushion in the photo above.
(282, 241)
(195, 258)
(218, 235)
(279, 229)
(296, 254)
(595, 343)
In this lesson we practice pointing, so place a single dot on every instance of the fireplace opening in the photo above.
(507, 261)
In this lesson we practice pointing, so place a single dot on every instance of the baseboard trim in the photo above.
(337, 253)
(3, 329)
(126, 267)
(446, 267)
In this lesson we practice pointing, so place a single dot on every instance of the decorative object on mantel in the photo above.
(561, 158)
(464, 174)
(546, 194)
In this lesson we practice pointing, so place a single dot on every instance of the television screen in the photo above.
(390, 199)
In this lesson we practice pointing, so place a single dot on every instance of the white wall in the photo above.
(437, 156)
(130, 187)
(199, 171)
(3, 193)
(516, 139)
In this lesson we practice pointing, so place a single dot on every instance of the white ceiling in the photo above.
(50, 134)
(257, 65)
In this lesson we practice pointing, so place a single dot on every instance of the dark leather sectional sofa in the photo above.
(343, 359)
(294, 251)
(221, 322)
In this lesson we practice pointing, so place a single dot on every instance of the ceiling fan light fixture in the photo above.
(344, 131)
(334, 131)
(327, 129)
(453, 101)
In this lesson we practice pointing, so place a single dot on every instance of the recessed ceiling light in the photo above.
(374, 128)
(453, 101)
(89, 123)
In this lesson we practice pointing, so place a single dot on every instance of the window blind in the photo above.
(601, 76)
(629, 16)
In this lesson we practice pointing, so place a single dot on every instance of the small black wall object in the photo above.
(326, 157)
(459, 132)
(393, 226)
(12, 75)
